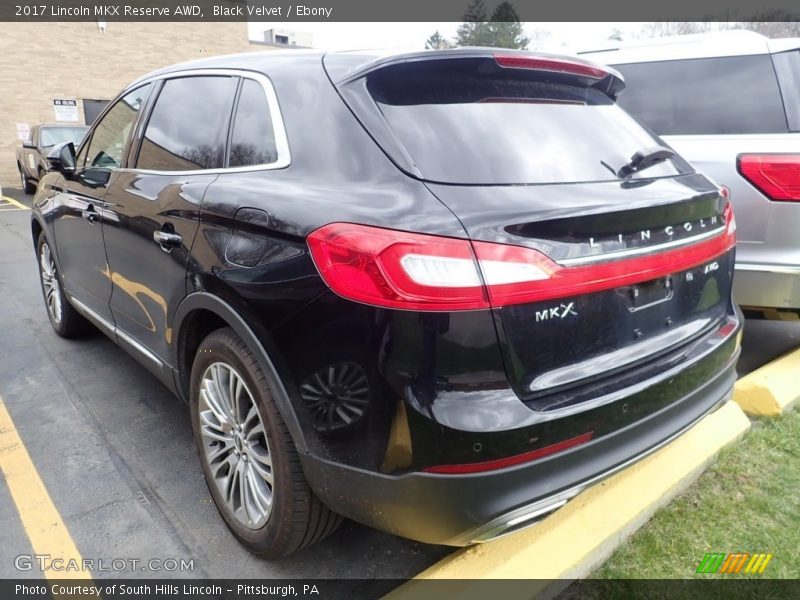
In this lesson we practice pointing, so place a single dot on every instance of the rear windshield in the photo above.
(727, 95)
(460, 122)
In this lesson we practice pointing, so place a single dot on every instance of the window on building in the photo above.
(282, 39)
(188, 127)
(112, 135)
(734, 94)
(253, 139)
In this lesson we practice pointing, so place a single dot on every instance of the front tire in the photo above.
(66, 321)
(249, 460)
(27, 186)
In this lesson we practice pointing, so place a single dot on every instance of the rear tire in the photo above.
(66, 321)
(243, 442)
(27, 186)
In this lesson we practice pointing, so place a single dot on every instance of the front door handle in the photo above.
(90, 214)
(167, 240)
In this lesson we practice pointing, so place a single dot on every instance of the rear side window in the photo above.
(463, 121)
(727, 95)
(787, 65)
(188, 126)
(253, 138)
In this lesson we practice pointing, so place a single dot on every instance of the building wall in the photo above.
(40, 62)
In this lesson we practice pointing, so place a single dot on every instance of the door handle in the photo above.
(90, 214)
(167, 240)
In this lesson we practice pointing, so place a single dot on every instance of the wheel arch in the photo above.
(199, 314)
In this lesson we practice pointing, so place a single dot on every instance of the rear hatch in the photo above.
(526, 151)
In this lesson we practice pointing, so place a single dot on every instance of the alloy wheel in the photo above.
(52, 289)
(235, 444)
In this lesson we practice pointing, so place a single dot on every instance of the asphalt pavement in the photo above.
(114, 448)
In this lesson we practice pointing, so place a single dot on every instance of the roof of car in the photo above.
(703, 45)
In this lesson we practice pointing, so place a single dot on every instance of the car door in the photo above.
(28, 154)
(156, 207)
(79, 207)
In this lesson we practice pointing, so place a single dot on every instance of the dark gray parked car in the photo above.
(32, 162)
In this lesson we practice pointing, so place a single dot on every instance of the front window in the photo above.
(113, 133)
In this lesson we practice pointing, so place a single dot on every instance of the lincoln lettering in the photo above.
(645, 234)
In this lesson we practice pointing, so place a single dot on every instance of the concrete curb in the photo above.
(772, 389)
(576, 539)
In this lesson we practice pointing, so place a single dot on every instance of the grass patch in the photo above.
(748, 501)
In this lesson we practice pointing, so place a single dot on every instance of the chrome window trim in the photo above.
(278, 128)
(608, 256)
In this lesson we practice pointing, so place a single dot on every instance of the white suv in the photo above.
(729, 103)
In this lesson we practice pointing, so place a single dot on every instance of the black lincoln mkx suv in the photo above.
(437, 293)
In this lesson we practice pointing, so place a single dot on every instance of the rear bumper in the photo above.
(767, 286)
(461, 509)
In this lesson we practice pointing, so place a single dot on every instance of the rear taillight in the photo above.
(777, 176)
(412, 271)
(553, 65)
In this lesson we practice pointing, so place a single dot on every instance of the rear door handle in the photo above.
(167, 240)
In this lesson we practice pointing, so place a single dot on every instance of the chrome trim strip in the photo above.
(767, 268)
(88, 312)
(608, 256)
(114, 330)
(281, 139)
(137, 346)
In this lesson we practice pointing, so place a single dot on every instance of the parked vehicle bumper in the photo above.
(458, 510)
(767, 285)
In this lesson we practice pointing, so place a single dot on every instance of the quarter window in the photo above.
(113, 132)
(733, 95)
(189, 124)
(253, 139)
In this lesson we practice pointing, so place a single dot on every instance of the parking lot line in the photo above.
(12, 202)
(40, 518)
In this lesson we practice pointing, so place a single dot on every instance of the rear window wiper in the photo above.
(645, 159)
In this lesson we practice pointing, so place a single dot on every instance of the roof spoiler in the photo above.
(603, 78)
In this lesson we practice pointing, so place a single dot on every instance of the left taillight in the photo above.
(397, 269)
(777, 176)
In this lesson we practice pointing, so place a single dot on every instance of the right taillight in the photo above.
(412, 271)
(777, 176)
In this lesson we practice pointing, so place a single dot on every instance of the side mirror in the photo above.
(62, 158)
(29, 145)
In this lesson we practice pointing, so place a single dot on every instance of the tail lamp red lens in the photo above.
(777, 176)
(412, 271)
(553, 65)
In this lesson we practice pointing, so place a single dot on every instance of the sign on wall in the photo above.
(23, 131)
(65, 110)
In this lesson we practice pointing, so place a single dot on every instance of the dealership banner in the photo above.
(393, 589)
(391, 10)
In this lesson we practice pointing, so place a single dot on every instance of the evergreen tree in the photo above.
(506, 30)
(475, 30)
(437, 42)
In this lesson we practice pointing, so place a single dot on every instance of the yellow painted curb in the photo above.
(772, 389)
(578, 538)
